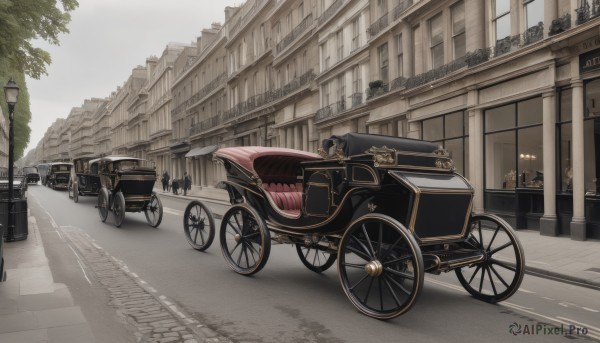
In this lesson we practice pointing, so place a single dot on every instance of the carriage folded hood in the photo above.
(358, 143)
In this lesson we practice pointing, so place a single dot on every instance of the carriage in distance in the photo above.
(84, 178)
(126, 186)
(387, 209)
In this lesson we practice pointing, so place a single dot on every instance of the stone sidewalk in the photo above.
(33, 308)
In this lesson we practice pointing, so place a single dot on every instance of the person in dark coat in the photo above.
(187, 183)
(175, 185)
(165, 181)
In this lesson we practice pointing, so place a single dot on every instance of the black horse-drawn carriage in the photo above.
(126, 186)
(388, 209)
(84, 178)
(58, 175)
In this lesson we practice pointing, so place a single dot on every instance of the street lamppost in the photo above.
(11, 94)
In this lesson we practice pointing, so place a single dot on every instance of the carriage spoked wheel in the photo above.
(119, 208)
(75, 192)
(103, 204)
(315, 258)
(245, 239)
(154, 210)
(500, 274)
(198, 225)
(380, 266)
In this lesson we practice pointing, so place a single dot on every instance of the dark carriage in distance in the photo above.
(58, 175)
(31, 174)
(126, 186)
(388, 209)
(84, 179)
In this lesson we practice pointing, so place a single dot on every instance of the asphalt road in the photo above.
(285, 302)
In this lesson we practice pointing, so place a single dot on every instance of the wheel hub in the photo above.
(237, 237)
(374, 268)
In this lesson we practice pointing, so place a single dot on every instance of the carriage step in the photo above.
(443, 261)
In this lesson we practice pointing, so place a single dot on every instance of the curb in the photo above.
(547, 274)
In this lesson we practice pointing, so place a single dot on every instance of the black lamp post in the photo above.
(11, 93)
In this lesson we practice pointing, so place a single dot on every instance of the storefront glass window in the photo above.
(530, 112)
(500, 118)
(530, 150)
(450, 131)
(433, 129)
(513, 145)
(500, 154)
(591, 136)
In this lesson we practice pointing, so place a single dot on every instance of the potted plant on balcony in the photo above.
(376, 88)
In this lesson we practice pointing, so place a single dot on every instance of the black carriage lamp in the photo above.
(11, 94)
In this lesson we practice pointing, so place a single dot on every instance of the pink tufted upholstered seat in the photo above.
(288, 197)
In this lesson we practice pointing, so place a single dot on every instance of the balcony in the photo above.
(379, 25)
(401, 8)
(296, 32)
(268, 96)
(585, 13)
(201, 94)
(206, 124)
(330, 111)
(560, 25)
(330, 11)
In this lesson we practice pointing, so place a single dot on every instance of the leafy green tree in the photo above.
(21, 21)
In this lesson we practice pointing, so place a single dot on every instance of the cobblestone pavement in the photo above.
(151, 317)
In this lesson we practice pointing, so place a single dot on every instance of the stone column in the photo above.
(578, 224)
(475, 24)
(476, 163)
(297, 142)
(305, 137)
(549, 222)
(550, 13)
(407, 52)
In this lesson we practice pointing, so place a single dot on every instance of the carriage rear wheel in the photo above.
(198, 225)
(75, 192)
(119, 208)
(103, 204)
(500, 274)
(380, 266)
(154, 211)
(245, 240)
(315, 258)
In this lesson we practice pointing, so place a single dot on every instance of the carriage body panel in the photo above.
(84, 176)
(58, 175)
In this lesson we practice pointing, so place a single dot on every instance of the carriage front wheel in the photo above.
(198, 225)
(119, 208)
(154, 211)
(380, 266)
(103, 204)
(315, 256)
(500, 274)
(245, 240)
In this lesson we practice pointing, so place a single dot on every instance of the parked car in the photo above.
(58, 176)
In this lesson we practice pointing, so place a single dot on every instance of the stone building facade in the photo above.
(510, 87)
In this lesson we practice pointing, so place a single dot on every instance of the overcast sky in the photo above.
(107, 39)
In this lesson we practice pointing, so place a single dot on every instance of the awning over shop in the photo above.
(201, 151)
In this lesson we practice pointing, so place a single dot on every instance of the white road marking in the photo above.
(552, 299)
(79, 262)
(579, 323)
(590, 309)
(526, 291)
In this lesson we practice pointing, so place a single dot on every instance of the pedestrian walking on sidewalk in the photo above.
(175, 185)
(165, 181)
(187, 183)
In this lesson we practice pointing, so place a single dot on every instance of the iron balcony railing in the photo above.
(357, 99)
(268, 96)
(296, 32)
(378, 25)
(559, 25)
(330, 11)
(330, 111)
(211, 86)
(585, 13)
(401, 8)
